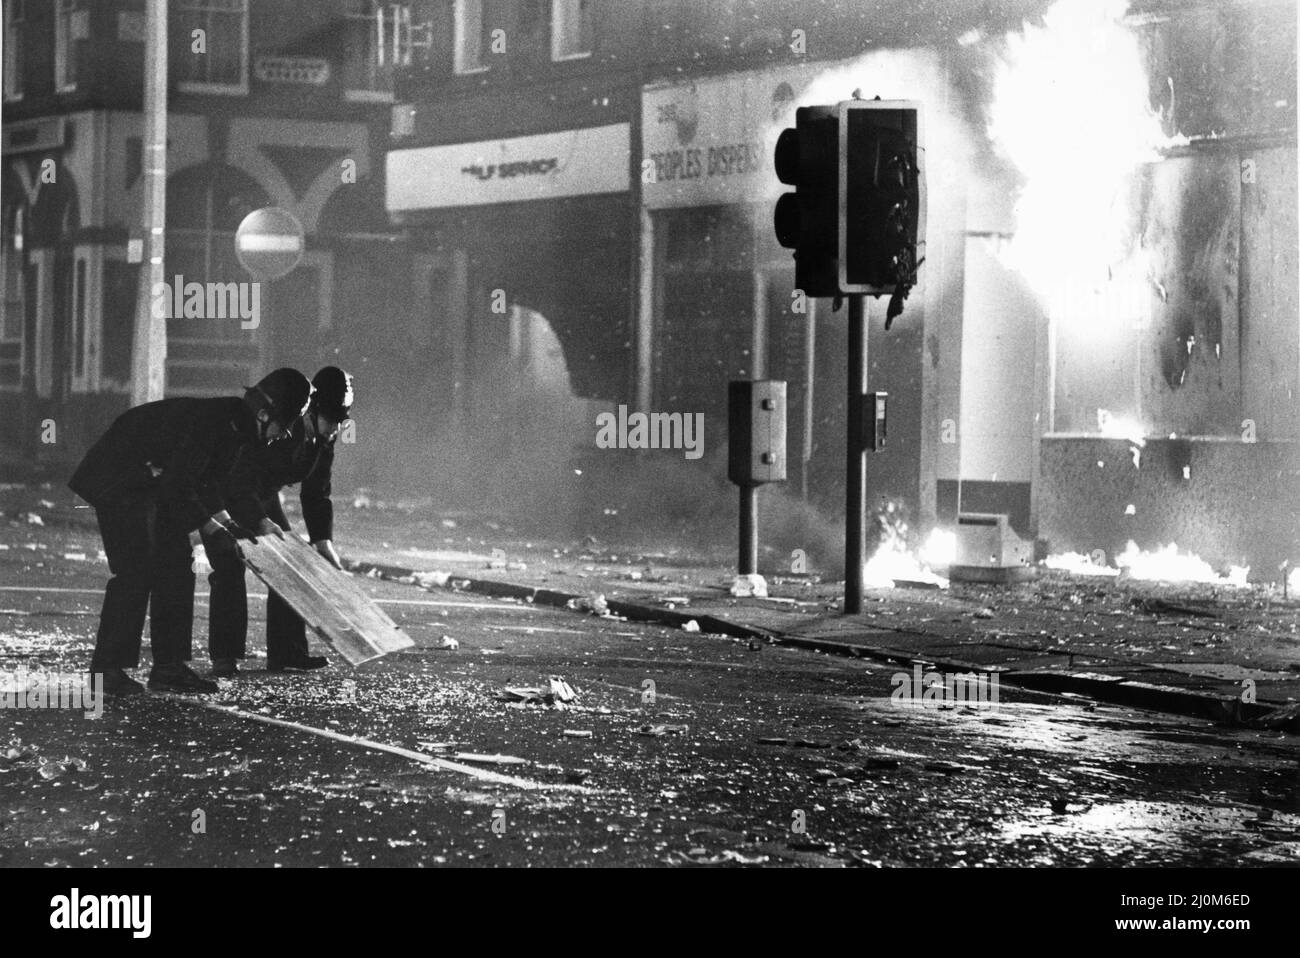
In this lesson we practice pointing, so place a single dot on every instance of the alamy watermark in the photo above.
(39, 689)
(656, 430)
(75, 911)
(922, 689)
(182, 300)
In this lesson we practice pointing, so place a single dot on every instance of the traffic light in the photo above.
(807, 158)
(881, 238)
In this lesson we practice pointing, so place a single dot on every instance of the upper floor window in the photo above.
(371, 38)
(571, 29)
(560, 29)
(72, 23)
(211, 42)
(469, 29)
(15, 20)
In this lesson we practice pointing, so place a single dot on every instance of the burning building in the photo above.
(1152, 273)
(1103, 343)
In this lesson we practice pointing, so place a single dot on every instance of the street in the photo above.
(679, 748)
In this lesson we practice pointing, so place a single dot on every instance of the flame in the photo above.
(940, 549)
(1078, 564)
(1167, 564)
(1070, 110)
(894, 561)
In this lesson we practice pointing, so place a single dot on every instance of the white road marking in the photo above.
(429, 760)
(530, 628)
(458, 605)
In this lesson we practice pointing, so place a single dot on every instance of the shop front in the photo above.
(717, 300)
(524, 249)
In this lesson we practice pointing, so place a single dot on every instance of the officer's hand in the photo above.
(222, 525)
(326, 548)
(267, 527)
(239, 532)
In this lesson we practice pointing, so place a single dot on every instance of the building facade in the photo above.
(607, 168)
(511, 171)
(1170, 414)
(1001, 400)
(270, 103)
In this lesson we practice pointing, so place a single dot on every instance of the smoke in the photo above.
(531, 458)
(1066, 111)
(662, 502)
(513, 456)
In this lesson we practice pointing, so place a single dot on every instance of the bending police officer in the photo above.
(155, 475)
(253, 490)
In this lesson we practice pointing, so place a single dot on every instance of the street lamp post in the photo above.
(149, 353)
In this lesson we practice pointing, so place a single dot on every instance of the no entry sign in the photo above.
(269, 242)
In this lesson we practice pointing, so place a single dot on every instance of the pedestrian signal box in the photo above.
(756, 411)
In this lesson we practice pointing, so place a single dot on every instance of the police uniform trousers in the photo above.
(148, 554)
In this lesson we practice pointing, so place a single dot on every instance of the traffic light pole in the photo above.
(748, 564)
(855, 489)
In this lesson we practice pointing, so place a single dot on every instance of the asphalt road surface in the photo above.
(737, 754)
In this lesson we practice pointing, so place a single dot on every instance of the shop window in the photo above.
(571, 29)
(118, 324)
(15, 22)
(71, 26)
(708, 238)
(11, 275)
(470, 35)
(369, 49)
(210, 39)
(12, 301)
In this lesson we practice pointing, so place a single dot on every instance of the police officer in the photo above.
(253, 492)
(153, 477)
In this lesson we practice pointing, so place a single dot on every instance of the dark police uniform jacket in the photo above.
(253, 487)
(194, 442)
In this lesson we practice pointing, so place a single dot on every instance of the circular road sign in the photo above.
(269, 242)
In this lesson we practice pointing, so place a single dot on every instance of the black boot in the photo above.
(116, 681)
(178, 677)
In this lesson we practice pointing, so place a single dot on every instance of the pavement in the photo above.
(1220, 652)
(766, 734)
